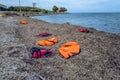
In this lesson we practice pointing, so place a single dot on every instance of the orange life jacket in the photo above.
(48, 42)
(69, 49)
(23, 22)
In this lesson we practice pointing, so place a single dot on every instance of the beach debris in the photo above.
(48, 42)
(85, 30)
(44, 34)
(38, 52)
(69, 49)
(23, 22)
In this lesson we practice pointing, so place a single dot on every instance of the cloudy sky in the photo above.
(71, 5)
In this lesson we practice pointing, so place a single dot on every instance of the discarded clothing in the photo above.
(69, 49)
(23, 22)
(83, 30)
(48, 42)
(44, 34)
(38, 52)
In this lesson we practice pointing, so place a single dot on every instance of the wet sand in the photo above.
(99, 58)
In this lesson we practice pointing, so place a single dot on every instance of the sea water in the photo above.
(108, 22)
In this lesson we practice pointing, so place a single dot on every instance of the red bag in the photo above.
(83, 30)
(44, 34)
(38, 52)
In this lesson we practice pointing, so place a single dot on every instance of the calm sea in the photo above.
(108, 22)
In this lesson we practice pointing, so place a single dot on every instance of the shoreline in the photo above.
(98, 59)
(30, 14)
(108, 28)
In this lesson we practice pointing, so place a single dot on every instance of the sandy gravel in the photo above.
(99, 58)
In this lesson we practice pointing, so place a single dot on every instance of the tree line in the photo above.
(24, 9)
(55, 9)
